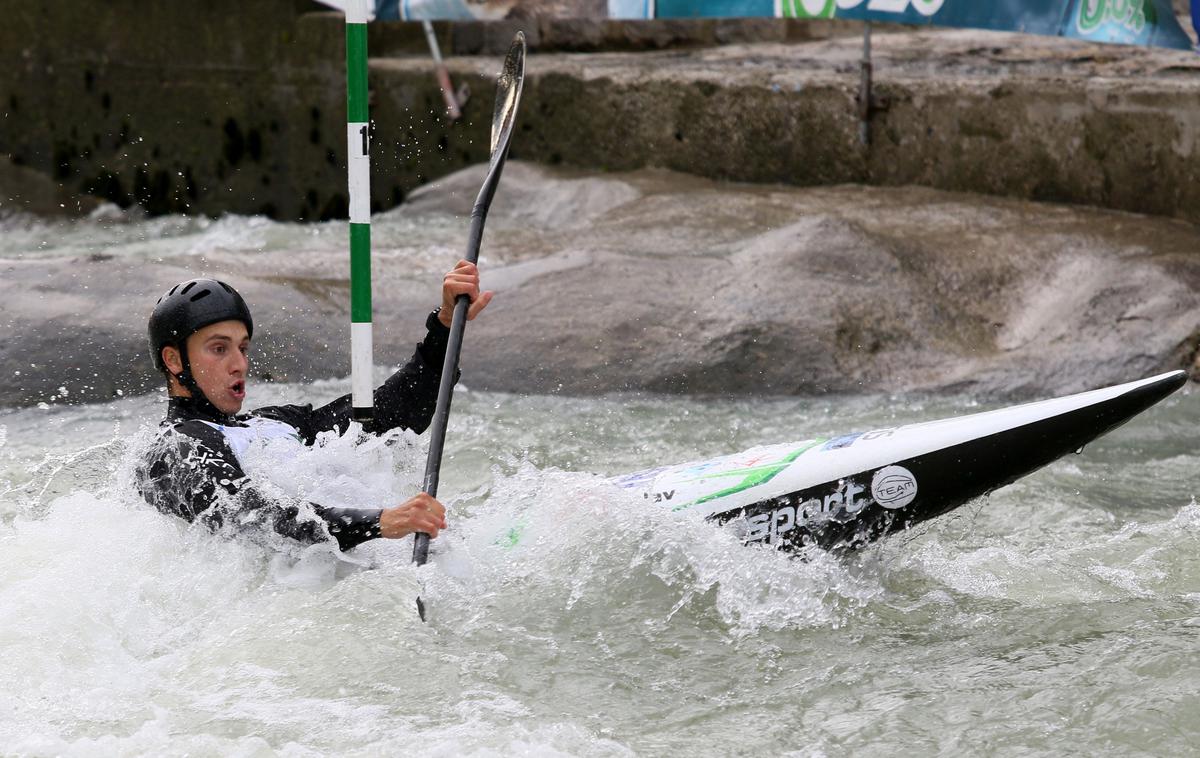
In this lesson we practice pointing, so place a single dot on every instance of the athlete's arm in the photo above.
(405, 401)
(194, 474)
(408, 398)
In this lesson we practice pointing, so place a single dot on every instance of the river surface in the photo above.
(1056, 617)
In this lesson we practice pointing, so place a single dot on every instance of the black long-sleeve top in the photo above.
(193, 472)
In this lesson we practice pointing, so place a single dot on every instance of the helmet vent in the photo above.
(172, 292)
(200, 295)
(227, 287)
(187, 287)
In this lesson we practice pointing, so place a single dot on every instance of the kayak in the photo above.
(850, 490)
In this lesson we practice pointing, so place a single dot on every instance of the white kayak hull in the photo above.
(850, 490)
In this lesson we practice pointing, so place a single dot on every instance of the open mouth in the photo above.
(238, 389)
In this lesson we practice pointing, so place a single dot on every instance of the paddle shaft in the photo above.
(458, 326)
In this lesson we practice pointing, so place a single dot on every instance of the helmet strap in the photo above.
(200, 401)
(185, 376)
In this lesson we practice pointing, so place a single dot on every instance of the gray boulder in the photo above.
(662, 282)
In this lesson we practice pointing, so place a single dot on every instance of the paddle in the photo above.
(508, 96)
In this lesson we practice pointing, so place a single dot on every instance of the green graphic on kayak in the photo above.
(751, 477)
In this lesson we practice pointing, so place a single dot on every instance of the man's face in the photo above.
(219, 364)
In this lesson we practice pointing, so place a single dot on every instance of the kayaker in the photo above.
(200, 335)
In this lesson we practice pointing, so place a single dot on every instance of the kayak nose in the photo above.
(1157, 388)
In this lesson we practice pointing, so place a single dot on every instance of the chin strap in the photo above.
(185, 377)
(200, 401)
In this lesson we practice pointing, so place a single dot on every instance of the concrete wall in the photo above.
(231, 106)
(239, 107)
(180, 107)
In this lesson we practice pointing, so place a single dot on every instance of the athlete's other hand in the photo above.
(417, 514)
(463, 280)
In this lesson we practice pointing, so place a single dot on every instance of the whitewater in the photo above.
(1057, 615)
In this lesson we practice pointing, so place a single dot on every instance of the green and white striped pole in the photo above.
(358, 165)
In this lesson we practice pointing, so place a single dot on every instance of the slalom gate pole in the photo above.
(453, 113)
(358, 167)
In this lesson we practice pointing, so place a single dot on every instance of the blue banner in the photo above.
(1131, 22)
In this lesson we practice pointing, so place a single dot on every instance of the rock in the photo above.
(663, 282)
(701, 287)
(79, 325)
(532, 197)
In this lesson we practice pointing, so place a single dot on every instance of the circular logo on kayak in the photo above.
(893, 487)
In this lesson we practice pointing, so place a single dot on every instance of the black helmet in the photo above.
(189, 307)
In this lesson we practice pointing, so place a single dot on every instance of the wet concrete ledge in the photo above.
(240, 108)
(1034, 118)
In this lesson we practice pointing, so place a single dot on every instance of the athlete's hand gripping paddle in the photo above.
(508, 96)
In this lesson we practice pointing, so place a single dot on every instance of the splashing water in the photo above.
(1057, 615)
(1060, 610)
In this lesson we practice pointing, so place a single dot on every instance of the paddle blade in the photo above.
(508, 95)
